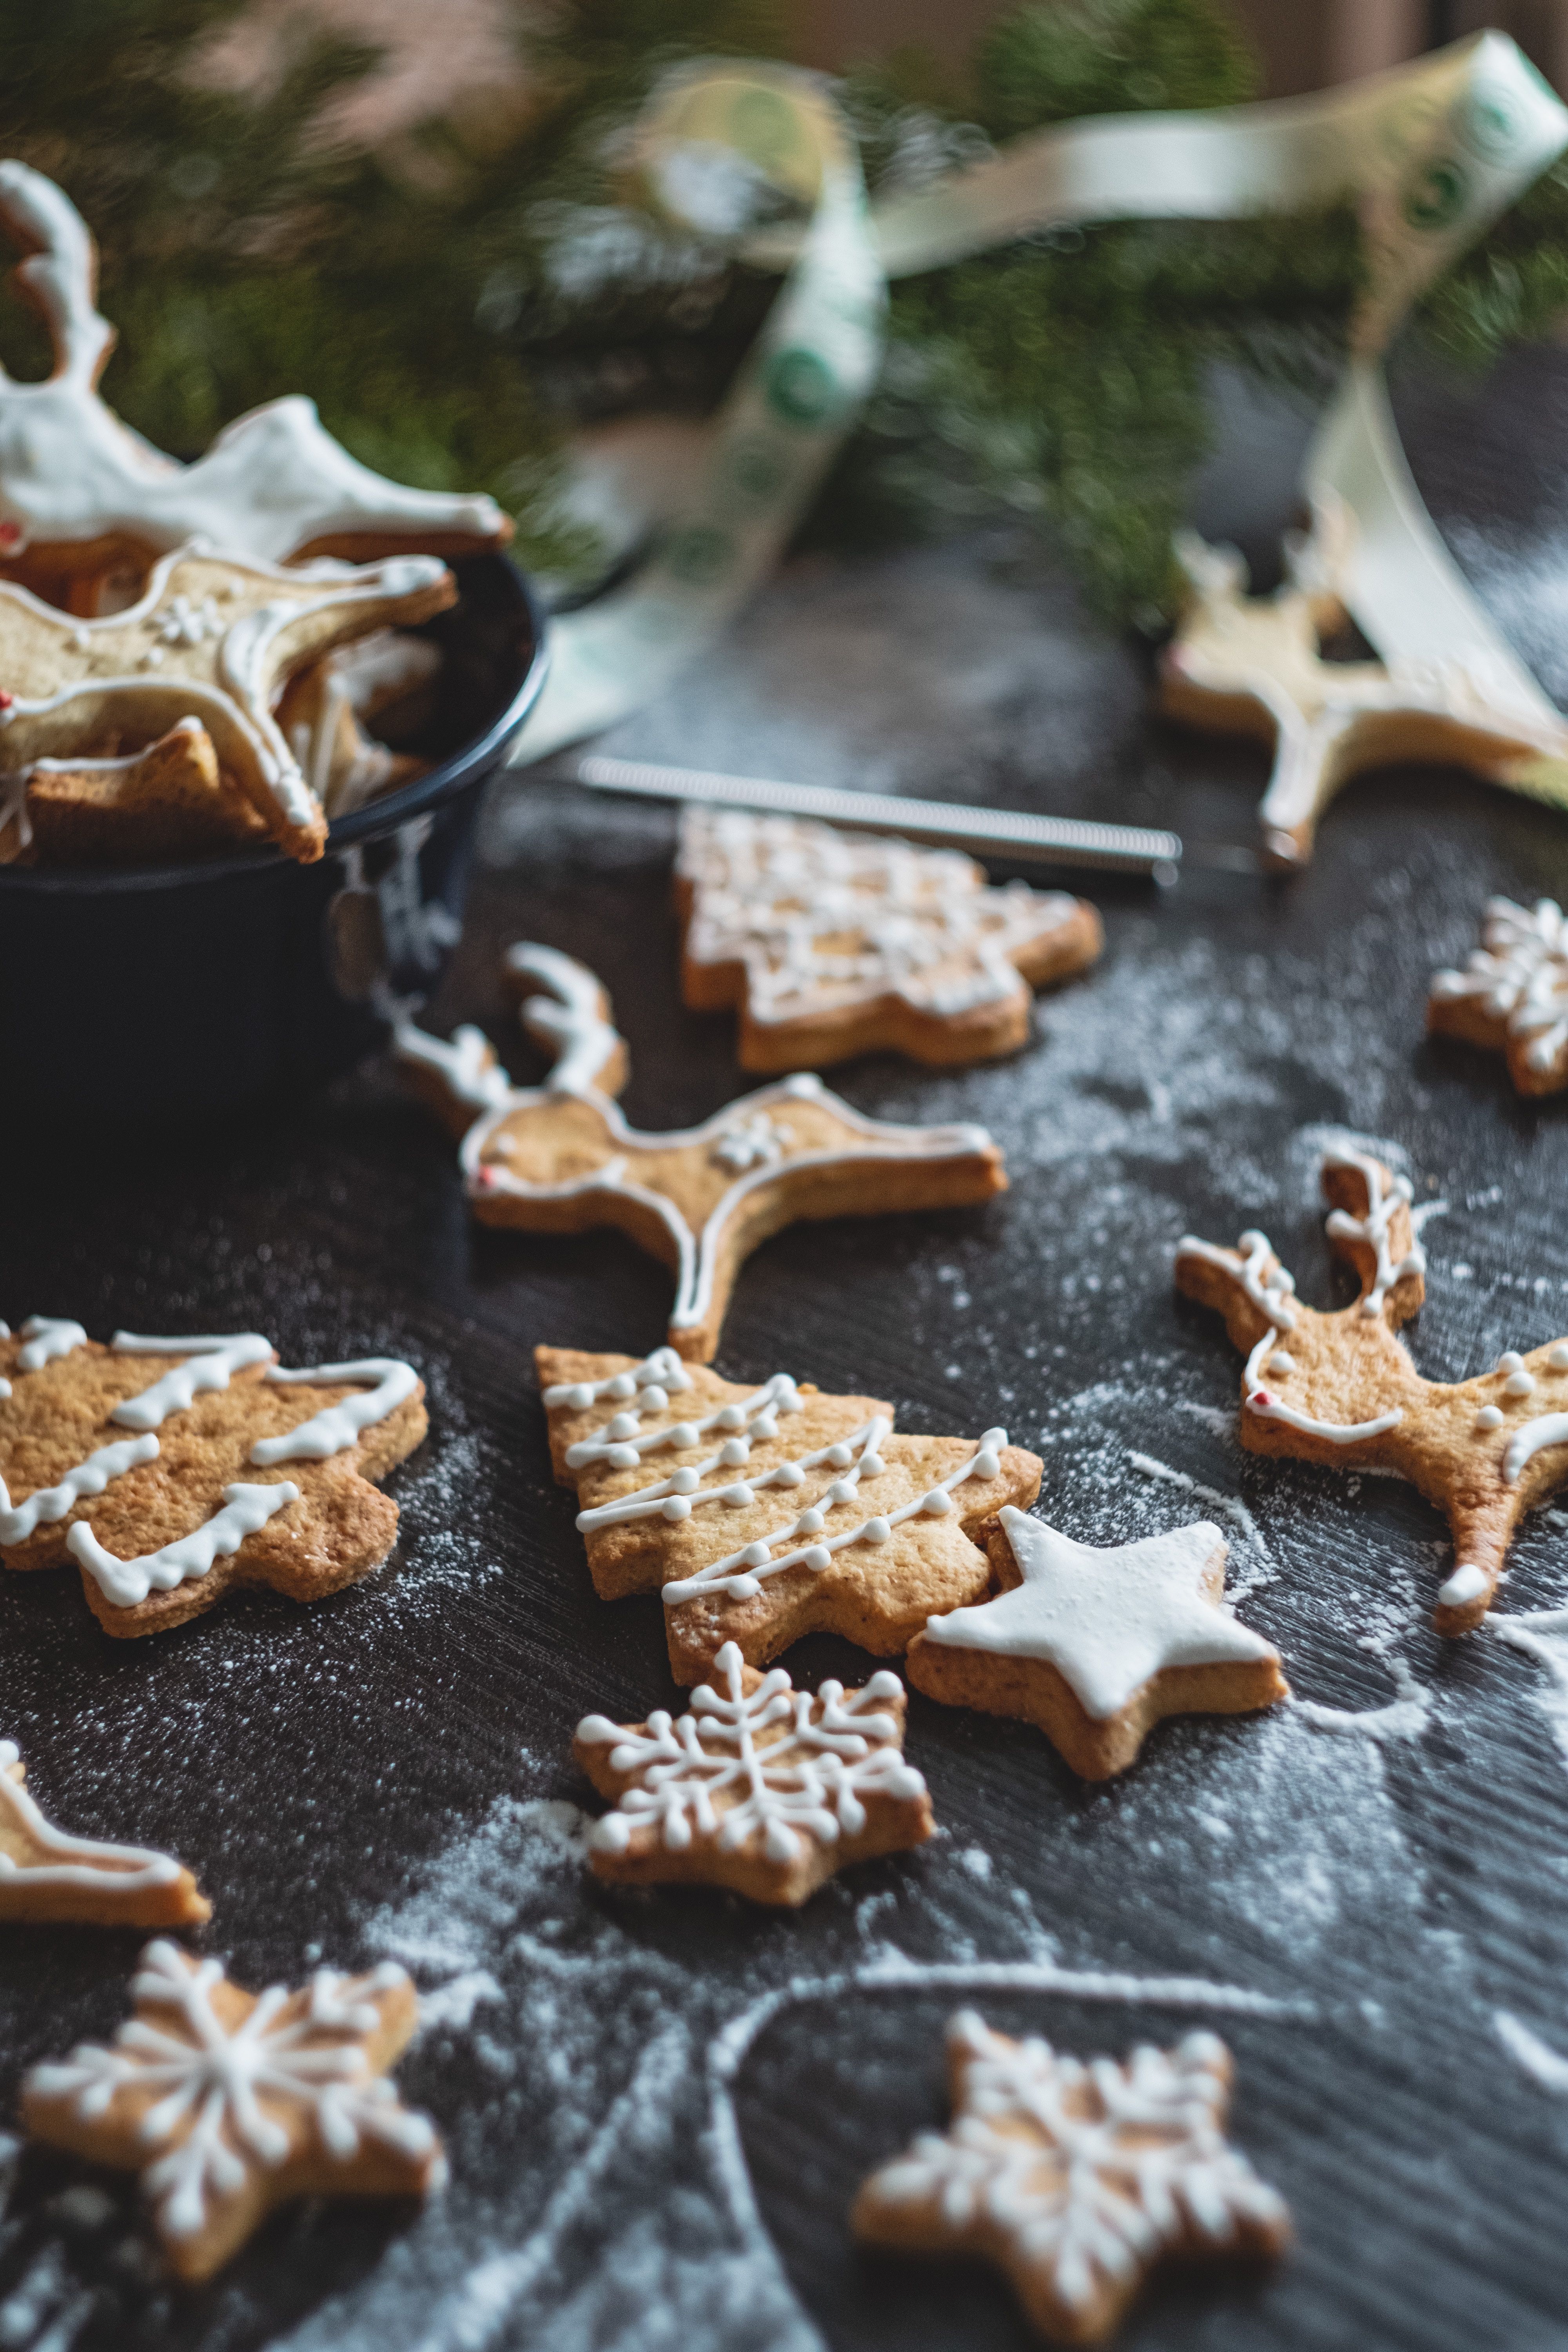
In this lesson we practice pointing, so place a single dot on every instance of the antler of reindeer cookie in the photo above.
(79, 492)
(1241, 665)
(560, 1158)
(1339, 1389)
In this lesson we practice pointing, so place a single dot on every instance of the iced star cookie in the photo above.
(229, 2103)
(1097, 1647)
(172, 1470)
(213, 639)
(47, 1875)
(1512, 994)
(762, 1788)
(81, 495)
(763, 1514)
(1241, 665)
(1075, 2176)
(560, 1158)
(1339, 1389)
(837, 943)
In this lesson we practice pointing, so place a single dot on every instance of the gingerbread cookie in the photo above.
(835, 943)
(762, 1788)
(1075, 2176)
(1513, 995)
(45, 1875)
(1097, 1647)
(1339, 1389)
(171, 800)
(560, 1158)
(229, 2103)
(80, 494)
(213, 639)
(327, 711)
(139, 1461)
(1241, 665)
(754, 1523)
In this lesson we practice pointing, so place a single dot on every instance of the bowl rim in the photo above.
(376, 818)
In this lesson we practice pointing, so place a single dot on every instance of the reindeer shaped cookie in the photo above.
(1241, 665)
(560, 1158)
(80, 493)
(1339, 1389)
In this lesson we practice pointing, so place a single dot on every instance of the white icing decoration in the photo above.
(1089, 2169)
(810, 1783)
(468, 1067)
(337, 1426)
(621, 1442)
(272, 483)
(1467, 1583)
(1279, 1362)
(1516, 1382)
(1269, 1287)
(1107, 1620)
(49, 1337)
(663, 1368)
(1488, 1417)
(1520, 975)
(1550, 1428)
(570, 1018)
(739, 1574)
(47, 1504)
(218, 2076)
(246, 1511)
(211, 1362)
(754, 1142)
(822, 919)
(133, 1868)
(1372, 1228)
(1557, 1359)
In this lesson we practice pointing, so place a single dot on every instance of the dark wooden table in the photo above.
(658, 2107)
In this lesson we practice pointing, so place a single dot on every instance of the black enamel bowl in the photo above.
(203, 986)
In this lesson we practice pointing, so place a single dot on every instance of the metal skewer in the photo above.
(987, 832)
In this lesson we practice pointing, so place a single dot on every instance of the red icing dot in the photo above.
(7, 701)
(1259, 1399)
(10, 533)
(487, 1175)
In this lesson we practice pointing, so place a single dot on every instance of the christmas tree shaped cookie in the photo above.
(1339, 1389)
(762, 1788)
(768, 1512)
(1074, 2176)
(1097, 1647)
(171, 1470)
(229, 2103)
(1241, 665)
(560, 1158)
(835, 943)
(46, 1875)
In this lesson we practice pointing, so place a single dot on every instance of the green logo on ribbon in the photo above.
(1487, 123)
(800, 387)
(758, 467)
(1438, 196)
(699, 554)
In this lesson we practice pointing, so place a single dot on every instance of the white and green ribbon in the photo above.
(1433, 153)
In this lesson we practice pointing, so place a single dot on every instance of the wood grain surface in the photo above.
(658, 2104)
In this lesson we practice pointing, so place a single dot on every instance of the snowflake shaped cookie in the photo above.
(46, 1875)
(1241, 665)
(835, 943)
(1513, 995)
(560, 1158)
(170, 1469)
(762, 1788)
(761, 1514)
(1075, 2176)
(1098, 1646)
(1339, 1389)
(229, 2103)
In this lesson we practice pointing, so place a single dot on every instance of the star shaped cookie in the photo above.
(46, 1875)
(229, 2103)
(1241, 665)
(171, 1470)
(213, 639)
(760, 1788)
(835, 943)
(560, 1158)
(1075, 2176)
(81, 495)
(766, 1513)
(1512, 994)
(1097, 1647)
(1339, 1389)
